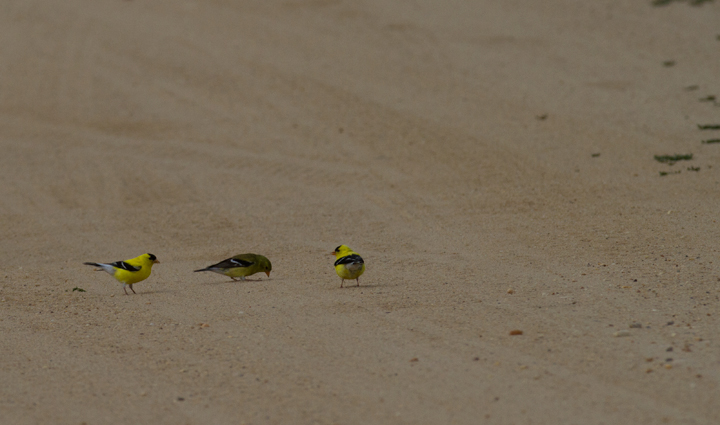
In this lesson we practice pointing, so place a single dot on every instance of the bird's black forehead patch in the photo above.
(152, 257)
(338, 248)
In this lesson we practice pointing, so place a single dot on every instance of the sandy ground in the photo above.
(492, 161)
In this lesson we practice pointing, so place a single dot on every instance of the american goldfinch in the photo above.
(240, 266)
(130, 271)
(349, 264)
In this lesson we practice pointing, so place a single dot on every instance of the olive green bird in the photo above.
(240, 266)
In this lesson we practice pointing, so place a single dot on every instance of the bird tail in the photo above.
(103, 267)
(202, 270)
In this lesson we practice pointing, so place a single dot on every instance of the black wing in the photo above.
(231, 263)
(350, 259)
(125, 266)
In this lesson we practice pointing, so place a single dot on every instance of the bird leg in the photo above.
(341, 282)
(136, 292)
(124, 285)
(358, 281)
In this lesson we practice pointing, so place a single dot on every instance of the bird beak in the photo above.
(333, 253)
(267, 273)
(156, 262)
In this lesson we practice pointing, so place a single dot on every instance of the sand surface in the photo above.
(492, 161)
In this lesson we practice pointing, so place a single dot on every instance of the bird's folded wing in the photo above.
(125, 266)
(350, 259)
(231, 263)
(241, 263)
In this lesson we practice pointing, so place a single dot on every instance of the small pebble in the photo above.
(516, 332)
(510, 291)
(622, 333)
(414, 359)
(636, 325)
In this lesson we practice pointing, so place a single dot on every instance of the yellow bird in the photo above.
(130, 271)
(240, 266)
(349, 264)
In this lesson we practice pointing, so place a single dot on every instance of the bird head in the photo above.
(152, 258)
(340, 250)
(267, 268)
(266, 265)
